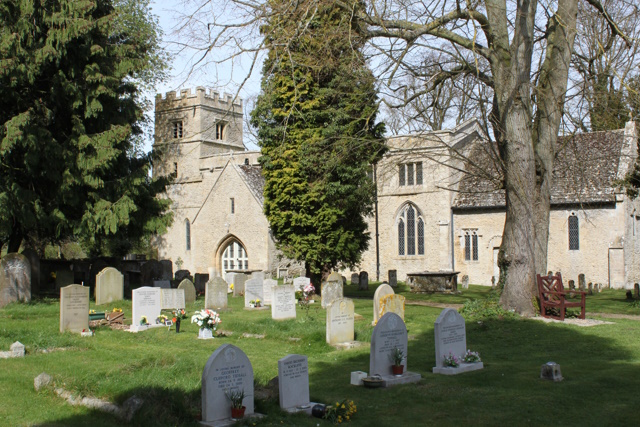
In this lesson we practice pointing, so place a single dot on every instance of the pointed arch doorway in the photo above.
(234, 257)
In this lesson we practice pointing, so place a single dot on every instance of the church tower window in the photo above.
(220, 131)
(410, 231)
(410, 174)
(177, 130)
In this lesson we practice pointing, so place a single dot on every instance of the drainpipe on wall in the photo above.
(453, 259)
(375, 202)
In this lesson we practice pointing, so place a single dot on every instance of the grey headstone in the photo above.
(572, 285)
(300, 282)
(228, 369)
(551, 371)
(64, 278)
(465, 281)
(355, 279)
(172, 299)
(363, 284)
(390, 333)
(253, 290)
(74, 308)
(340, 321)
(183, 274)
(393, 278)
(167, 269)
(283, 302)
(450, 335)
(215, 296)
(189, 291)
(392, 304)
(239, 284)
(267, 289)
(331, 289)
(382, 291)
(15, 279)
(164, 284)
(17, 348)
(109, 286)
(581, 281)
(199, 281)
(42, 381)
(293, 381)
(146, 301)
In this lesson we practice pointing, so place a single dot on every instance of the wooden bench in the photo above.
(553, 296)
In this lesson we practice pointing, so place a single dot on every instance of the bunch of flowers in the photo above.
(451, 360)
(116, 310)
(305, 301)
(471, 357)
(206, 319)
(92, 312)
(256, 302)
(144, 320)
(341, 412)
(162, 319)
(179, 314)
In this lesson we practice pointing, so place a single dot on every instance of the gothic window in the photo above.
(410, 174)
(177, 129)
(410, 231)
(234, 257)
(220, 131)
(471, 245)
(419, 173)
(401, 174)
(574, 233)
(187, 227)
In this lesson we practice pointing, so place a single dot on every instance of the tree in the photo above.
(316, 126)
(71, 110)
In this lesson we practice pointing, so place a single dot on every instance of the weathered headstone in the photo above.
(551, 371)
(392, 304)
(581, 283)
(590, 291)
(34, 262)
(267, 290)
(172, 299)
(390, 333)
(238, 284)
(293, 382)
(465, 281)
(109, 286)
(572, 285)
(228, 369)
(215, 296)
(363, 283)
(74, 308)
(283, 302)
(382, 291)
(189, 291)
(299, 283)
(355, 279)
(258, 275)
(15, 279)
(146, 301)
(167, 269)
(64, 278)
(331, 289)
(393, 278)
(183, 274)
(451, 339)
(150, 271)
(199, 281)
(164, 284)
(252, 291)
(340, 321)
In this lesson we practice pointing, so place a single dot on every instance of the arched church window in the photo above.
(574, 233)
(410, 231)
(187, 229)
(234, 257)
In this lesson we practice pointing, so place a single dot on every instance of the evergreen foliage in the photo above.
(316, 125)
(71, 122)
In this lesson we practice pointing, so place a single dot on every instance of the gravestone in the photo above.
(64, 278)
(74, 308)
(582, 282)
(189, 291)
(267, 290)
(393, 278)
(183, 274)
(15, 279)
(451, 338)
(390, 333)
(299, 283)
(253, 290)
(215, 296)
(164, 284)
(465, 281)
(363, 282)
(355, 279)
(199, 281)
(283, 302)
(172, 299)
(239, 284)
(146, 301)
(258, 275)
(572, 285)
(167, 269)
(293, 382)
(150, 271)
(34, 262)
(109, 286)
(331, 289)
(340, 321)
(382, 291)
(590, 291)
(228, 369)
(392, 304)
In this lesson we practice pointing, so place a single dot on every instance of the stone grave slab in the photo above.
(363, 282)
(74, 308)
(340, 322)
(382, 291)
(228, 369)
(253, 290)
(283, 303)
(180, 275)
(15, 279)
(393, 278)
(451, 337)
(146, 301)
(355, 279)
(299, 283)
(238, 282)
(331, 290)
(164, 284)
(199, 281)
(392, 304)
(167, 269)
(109, 286)
(293, 383)
(64, 278)
(189, 291)
(215, 296)
(172, 299)
(267, 290)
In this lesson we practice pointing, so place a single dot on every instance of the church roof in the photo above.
(252, 175)
(585, 172)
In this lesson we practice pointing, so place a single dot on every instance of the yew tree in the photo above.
(72, 74)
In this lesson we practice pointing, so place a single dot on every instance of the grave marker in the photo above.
(252, 291)
(172, 299)
(109, 286)
(390, 333)
(451, 338)
(199, 281)
(283, 304)
(189, 291)
(299, 283)
(392, 304)
(293, 382)
(15, 279)
(74, 308)
(331, 289)
(363, 283)
(146, 301)
(340, 321)
(215, 296)
(382, 291)
(164, 284)
(393, 278)
(238, 284)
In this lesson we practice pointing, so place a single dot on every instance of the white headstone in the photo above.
(450, 335)
(300, 282)
(109, 286)
(146, 301)
(392, 304)
(332, 289)
(172, 299)
(340, 321)
(267, 289)
(189, 291)
(382, 291)
(283, 303)
(74, 308)
(228, 369)
(164, 284)
(293, 381)
(390, 333)
(253, 290)
(258, 275)
(215, 296)
(238, 282)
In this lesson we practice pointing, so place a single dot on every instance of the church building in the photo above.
(431, 214)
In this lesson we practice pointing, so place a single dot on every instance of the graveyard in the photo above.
(164, 369)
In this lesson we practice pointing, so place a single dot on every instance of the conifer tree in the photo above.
(316, 126)
(71, 119)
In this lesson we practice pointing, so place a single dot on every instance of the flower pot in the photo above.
(319, 410)
(397, 370)
(205, 333)
(237, 413)
(177, 325)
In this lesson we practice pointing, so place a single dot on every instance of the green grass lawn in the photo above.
(601, 366)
